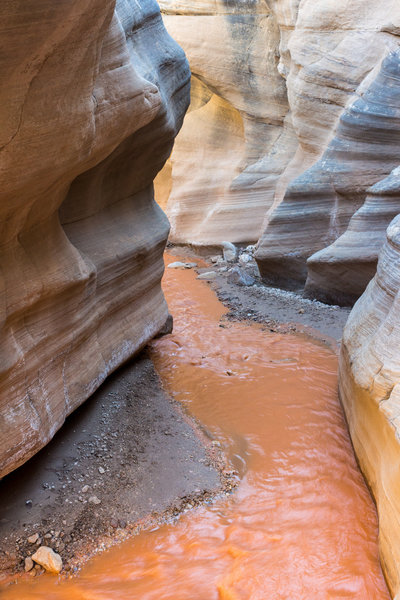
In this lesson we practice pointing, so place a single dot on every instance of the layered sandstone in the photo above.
(235, 141)
(90, 106)
(271, 81)
(370, 392)
(319, 204)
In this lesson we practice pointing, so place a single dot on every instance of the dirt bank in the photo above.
(130, 447)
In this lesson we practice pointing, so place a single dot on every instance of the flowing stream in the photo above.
(300, 526)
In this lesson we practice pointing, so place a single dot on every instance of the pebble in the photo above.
(32, 539)
(101, 470)
(181, 265)
(208, 276)
(245, 258)
(84, 490)
(94, 500)
(239, 277)
(28, 564)
(229, 251)
(48, 559)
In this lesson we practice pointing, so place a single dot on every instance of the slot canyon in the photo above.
(200, 285)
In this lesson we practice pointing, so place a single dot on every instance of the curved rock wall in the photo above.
(90, 106)
(319, 204)
(235, 141)
(370, 393)
(273, 85)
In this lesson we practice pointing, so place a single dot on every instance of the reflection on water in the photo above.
(301, 525)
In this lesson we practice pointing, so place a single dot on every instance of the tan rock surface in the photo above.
(270, 83)
(235, 141)
(90, 106)
(335, 50)
(319, 204)
(48, 559)
(370, 392)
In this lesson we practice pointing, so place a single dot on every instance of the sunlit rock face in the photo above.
(271, 81)
(93, 93)
(235, 141)
(370, 392)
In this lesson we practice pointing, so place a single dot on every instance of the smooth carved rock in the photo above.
(92, 96)
(370, 392)
(235, 141)
(270, 82)
(341, 272)
(319, 204)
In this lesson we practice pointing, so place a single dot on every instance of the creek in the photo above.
(300, 526)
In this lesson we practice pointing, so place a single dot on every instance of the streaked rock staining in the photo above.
(235, 142)
(370, 392)
(319, 204)
(90, 106)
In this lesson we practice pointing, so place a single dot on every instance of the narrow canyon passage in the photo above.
(301, 524)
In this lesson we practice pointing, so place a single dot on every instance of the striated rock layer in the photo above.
(319, 204)
(90, 106)
(235, 141)
(275, 85)
(370, 393)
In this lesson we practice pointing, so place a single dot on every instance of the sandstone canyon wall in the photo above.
(370, 393)
(93, 93)
(274, 147)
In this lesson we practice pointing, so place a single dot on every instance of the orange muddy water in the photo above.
(300, 526)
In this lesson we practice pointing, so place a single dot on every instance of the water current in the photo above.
(300, 526)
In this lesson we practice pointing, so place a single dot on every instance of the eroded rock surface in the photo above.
(235, 141)
(319, 204)
(370, 392)
(275, 86)
(93, 93)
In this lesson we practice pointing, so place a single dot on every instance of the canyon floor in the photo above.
(130, 457)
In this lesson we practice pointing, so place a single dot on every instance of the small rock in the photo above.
(181, 265)
(301, 311)
(215, 259)
(83, 490)
(48, 559)
(239, 277)
(101, 470)
(251, 249)
(229, 251)
(28, 564)
(48, 536)
(208, 276)
(32, 539)
(245, 258)
(94, 500)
